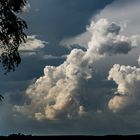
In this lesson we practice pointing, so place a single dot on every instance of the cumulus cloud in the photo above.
(128, 80)
(58, 93)
(106, 40)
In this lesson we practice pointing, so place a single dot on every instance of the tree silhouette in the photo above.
(11, 33)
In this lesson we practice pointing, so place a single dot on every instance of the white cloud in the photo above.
(126, 16)
(32, 44)
(128, 80)
(57, 94)
(106, 40)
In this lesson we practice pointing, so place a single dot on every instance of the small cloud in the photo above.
(32, 43)
(32, 46)
(49, 56)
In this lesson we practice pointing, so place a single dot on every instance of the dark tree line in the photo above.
(11, 33)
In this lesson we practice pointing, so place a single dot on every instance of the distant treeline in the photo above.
(66, 137)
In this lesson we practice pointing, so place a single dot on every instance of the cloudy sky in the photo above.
(80, 70)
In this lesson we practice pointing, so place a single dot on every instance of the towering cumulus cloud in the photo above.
(58, 93)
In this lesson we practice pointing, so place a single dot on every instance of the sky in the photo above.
(80, 70)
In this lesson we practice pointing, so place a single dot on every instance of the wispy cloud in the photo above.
(32, 46)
